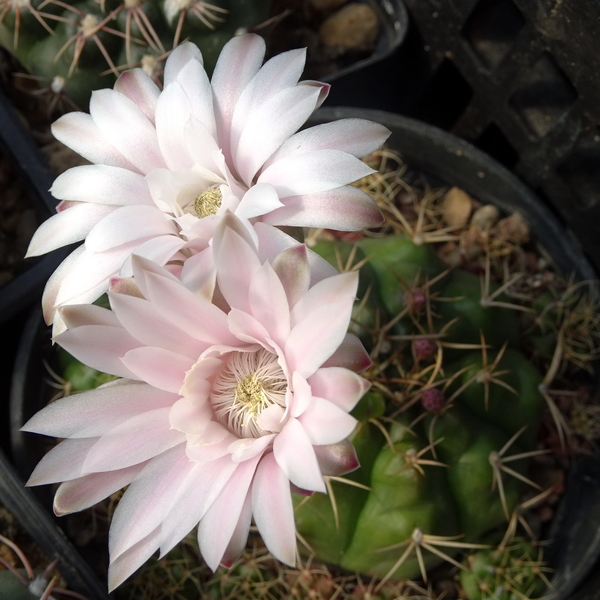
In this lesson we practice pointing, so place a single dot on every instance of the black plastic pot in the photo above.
(444, 159)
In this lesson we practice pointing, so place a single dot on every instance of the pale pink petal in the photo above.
(268, 125)
(320, 320)
(273, 241)
(358, 137)
(95, 412)
(302, 395)
(239, 61)
(340, 386)
(219, 522)
(102, 184)
(78, 131)
(271, 418)
(201, 319)
(273, 510)
(135, 440)
(239, 537)
(351, 354)
(280, 72)
(54, 283)
(66, 227)
(146, 324)
(296, 457)
(159, 249)
(79, 494)
(126, 127)
(324, 89)
(198, 491)
(337, 459)
(236, 264)
(247, 328)
(201, 448)
(202, 147)
(131, 560)
(161, 368)
(313, 172)
(190, 418)
(196, 388)
(63, 463)
(173, 111)
(325, 423)
(259, 200)
(91, 270)
(88, 314)
(110, 344)
(196, 87)
(148, 499)
(247, 448)
(268, 303)
(198, 274)
(345, 209)
(140, 89)
(293, 270)
(128, 224)
(179, 57)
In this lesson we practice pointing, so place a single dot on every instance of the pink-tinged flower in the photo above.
(168, 165)
(223, 407)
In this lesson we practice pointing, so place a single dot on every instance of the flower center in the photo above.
(208, 202)
(245, 386)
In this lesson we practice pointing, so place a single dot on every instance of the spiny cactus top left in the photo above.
(76, 47)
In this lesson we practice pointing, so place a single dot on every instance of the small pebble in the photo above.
(485, 218)
(457, 207)
(353, 27)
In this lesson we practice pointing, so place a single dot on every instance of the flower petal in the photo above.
(325, 423)
(148, 500)
(358, 137)
(79, 494)
(95, 412)
(220, 521)
(344, 209)
(78, 131)
(296, 457)
(319, 322)
(340, 386)
(140, 89)
(273, 510)
(102, 184)
(159, 367)
(135, 440)
(313, 172)
(127, 128)
(66, 227)
(128, 224)
(260, 199)
(131, 560)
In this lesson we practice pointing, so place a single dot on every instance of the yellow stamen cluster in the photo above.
(208, 202)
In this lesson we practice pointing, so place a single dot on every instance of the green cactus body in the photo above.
(511, 573)
(402, 500)
(494, 392)
(396, 259)
(498, 325)
(11, 588)
(511, 409)
(465, 445)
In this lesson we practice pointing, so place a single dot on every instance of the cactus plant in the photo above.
(78, 47)
(470, 364)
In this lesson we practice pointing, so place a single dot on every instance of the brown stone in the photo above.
(457, 207)
(514, 229)
(485, 217)
(354, 27)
